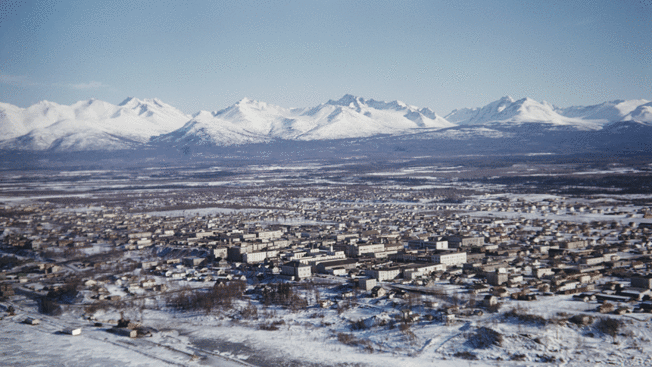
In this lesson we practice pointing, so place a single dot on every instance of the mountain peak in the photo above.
(349, 97)
(428, 113)
(525, 102)
(134, 102)
(347, 100)
(508, 99)
(156, 102)
(248, 103)
(508, 110)
(127, 101)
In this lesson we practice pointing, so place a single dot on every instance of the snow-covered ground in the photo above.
(46, 345)
(310, 337)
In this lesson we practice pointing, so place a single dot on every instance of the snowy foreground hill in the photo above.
(95, 125)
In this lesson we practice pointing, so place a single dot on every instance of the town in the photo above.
(461, 270)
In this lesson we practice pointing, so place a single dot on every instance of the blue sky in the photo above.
(206, 55)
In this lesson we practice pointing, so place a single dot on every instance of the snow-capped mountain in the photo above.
(352, 117)
(479, 115)
(155, 111)
(16, 121)
(642, 113)
(603, 113)
(509, 112)
(206, 128)
(348, 117)
(87, 125)
(134, 123)
(637, 123)
(249, 121)
(259, 118)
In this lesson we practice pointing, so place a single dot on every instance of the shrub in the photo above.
(544, 358)
(344, 305)
(525, 317)
(347, 339)
(466, 355)
(249, 312)
(606, 307)
(271, 326)
(94, 307)
(224, 294)
(358, 325)
(268, 327)
(484, 338)
(404, 327)
(67, 293)
(517, 357)
(410, 335)
(581, 320)
(49, 306)
(8, 262)
(282, 294)
(350, 339)
(609, 326)
(494, 308)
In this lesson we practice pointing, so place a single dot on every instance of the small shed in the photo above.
(448, 319)
(489, 300)
(378, 291)
(325, 303)
(72, 331)
(132, 333)
(31, 321)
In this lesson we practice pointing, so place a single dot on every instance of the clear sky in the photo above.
(206, 55)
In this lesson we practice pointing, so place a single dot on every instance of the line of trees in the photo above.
(283, 294)
(221, 296)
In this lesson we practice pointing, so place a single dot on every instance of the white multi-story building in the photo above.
(360, 249)
(316, 258)
(268, 235)
(422, 270)
(432, 243)
(450, 258)
(456, 241)
(383, 274)
(593, 260)
(296, 269)
(254, 257)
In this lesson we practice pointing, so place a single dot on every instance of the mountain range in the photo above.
(96, 125)
(86, 125)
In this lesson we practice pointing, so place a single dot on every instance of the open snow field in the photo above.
(310, 337)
